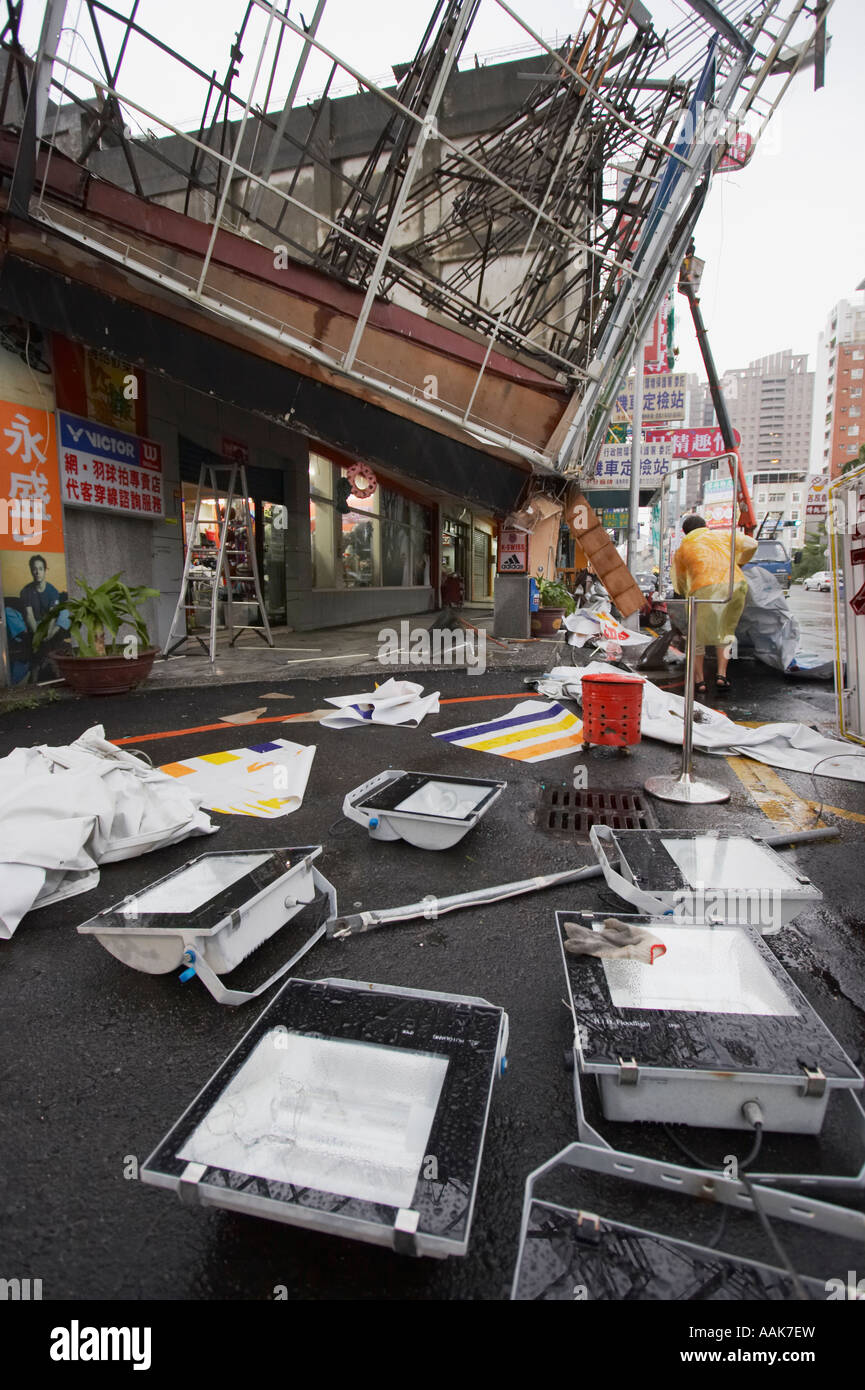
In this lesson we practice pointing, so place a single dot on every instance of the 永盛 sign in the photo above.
(109, 469)
(613, 468)
(32, 517)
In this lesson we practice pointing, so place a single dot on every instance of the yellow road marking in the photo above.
(774, 798)
(839, 811)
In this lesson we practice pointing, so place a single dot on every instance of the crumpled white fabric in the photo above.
(599, 624)
(793, 746)
(393, 702)
(65, 810)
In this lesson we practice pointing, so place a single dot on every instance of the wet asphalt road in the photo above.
(99, 1060)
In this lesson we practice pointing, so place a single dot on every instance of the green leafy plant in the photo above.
(553, 594)
(99, 614)
(812, 556)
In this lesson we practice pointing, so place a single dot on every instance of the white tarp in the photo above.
(393, 702)
(793, 746)
(63, 811)
(766, 623)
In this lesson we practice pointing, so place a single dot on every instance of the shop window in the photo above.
(320, 476)
(321, 528)
(359, 554)
(396, 563)
(383, 540)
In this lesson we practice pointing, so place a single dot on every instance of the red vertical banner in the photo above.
(32, 551)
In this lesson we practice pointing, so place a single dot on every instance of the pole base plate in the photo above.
(686, 789)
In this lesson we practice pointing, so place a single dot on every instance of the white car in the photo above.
(821, 581)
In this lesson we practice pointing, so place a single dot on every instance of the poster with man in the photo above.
(32, 558)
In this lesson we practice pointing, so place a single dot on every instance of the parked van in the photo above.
(772, 556)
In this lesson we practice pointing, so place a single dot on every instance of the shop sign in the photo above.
(695, 443)
(109, 470)
(663, 397)
(816, 505)
(32, 558)
(513, 555)
(613, 468)
(235, 450)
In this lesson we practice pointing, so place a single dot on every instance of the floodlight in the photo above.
(569, 1253)
(427, 811)
(703, 876)
(352, 1108)
(715, 1022)
(211, 913)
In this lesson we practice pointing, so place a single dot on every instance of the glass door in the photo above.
(271, 537)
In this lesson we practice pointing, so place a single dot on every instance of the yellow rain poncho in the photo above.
(701, 567)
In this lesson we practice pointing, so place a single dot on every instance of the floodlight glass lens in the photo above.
(194, 885)
(345, 1117)
(455, 799)
(728, 863)
(703, 971)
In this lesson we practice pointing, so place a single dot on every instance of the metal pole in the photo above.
(24, 174)
(636, 448)
(217, 216)
(429, 125)
(662, 531)
(634, 493)
(685, 787)
(273, 152)
(597, 403)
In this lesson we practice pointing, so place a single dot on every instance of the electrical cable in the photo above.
(751, 1157)
(801, 1292)
(831, 757)
(340, 834)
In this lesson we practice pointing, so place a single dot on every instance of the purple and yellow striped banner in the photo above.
(532, 732)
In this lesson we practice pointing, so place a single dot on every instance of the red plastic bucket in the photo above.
(612, 705)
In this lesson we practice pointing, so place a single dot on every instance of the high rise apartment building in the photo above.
(839, 423)
(770, 404)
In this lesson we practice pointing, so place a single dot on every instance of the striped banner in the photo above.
(264, 780)
(533, 732)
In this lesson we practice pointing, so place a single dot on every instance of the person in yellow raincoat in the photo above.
(701, 568)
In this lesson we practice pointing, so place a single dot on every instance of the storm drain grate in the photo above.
(563, 810)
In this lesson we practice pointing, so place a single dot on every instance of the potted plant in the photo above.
(102, 664)
(555, 603)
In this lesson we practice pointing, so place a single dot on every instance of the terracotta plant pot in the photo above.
(105, 675)
(547, 621)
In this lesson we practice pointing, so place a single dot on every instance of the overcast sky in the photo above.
(784, 239)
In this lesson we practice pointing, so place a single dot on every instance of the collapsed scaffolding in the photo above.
(554, 236)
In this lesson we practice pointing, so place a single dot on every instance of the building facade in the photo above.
(770, 403)
(838, 392)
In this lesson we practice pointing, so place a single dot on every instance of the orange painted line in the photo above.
(287, 718)
(470, 699)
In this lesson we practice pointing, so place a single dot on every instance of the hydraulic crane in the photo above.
(688, 285)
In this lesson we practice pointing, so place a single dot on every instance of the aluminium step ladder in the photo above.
(219, 581)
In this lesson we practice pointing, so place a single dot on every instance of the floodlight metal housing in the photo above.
(703, 876)
(713, 1023)
(563, 1249)
(210, 914)
(427, 811)
(350, 1108)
